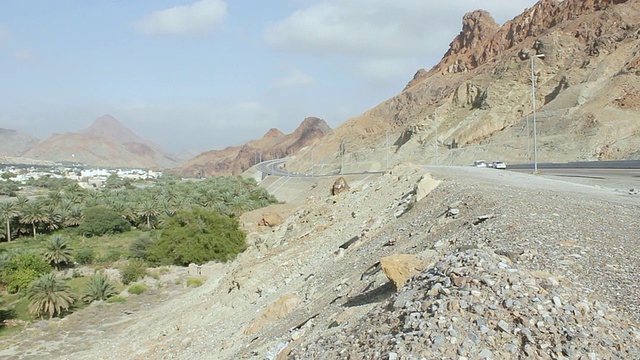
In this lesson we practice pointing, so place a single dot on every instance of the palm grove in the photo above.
(169, 222)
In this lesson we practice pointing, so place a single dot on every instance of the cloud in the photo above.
(199, 18)
(24, 56)
(379, 27)
(295, 79)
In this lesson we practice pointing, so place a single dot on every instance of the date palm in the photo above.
(8, 211)
(99, 287)
(148, 209)
(33, 213)
(49, 295)
(57, 251)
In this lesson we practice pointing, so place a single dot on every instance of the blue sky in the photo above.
(212, 73)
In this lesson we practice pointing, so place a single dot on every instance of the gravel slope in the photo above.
(578, 240)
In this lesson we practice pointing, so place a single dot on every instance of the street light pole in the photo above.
(528, 139)
(533, 104)
(386, 146)
(435, 119)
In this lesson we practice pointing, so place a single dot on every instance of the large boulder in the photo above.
(339, 186)
(270, 220)
(425, 186)
(400, 267)
(281, 308)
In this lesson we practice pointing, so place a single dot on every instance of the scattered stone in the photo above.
(399, 268)
(270, 220)
(281, 308)
(339, 186)
(499, 311)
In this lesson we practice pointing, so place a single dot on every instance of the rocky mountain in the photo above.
(14, 142)
(479, 96)
(236, 159)
(106, 142)
(426, 262)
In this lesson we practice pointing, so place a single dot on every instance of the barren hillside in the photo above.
(234, 160)
(479, 95)
(307, 287)
(106, 142)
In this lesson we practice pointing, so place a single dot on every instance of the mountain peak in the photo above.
(108, 127)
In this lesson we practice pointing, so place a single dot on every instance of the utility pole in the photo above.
(313, 164)
(387, 149)
(533, 103)
(435, 119)
(342, 157)
(528, 139)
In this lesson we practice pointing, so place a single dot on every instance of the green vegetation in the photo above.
(140, 246)
(57, 252)
(49, 295)
(134, 270)
(137, 289)
(99, 287)
(197, 236)
(195, 282)
(116, 299)
(98, 221)
(53, 222)
(21, 269)
(63, 204)
(85, 256)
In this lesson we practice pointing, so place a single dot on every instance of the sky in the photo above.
(208, 74)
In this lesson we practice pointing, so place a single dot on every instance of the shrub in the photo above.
(99, 287)
(85, 256)
(134, 270)
(137, 289)
(112, 255)
(116, 299)
(197, 236)
(140, 245)
(21, 269)
(99, 220)
(195, 282)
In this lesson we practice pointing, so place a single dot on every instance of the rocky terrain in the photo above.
(427, 262)
(273, 145)
(479, 95)
(505, 265)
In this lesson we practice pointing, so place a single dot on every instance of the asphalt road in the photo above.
(614, 174)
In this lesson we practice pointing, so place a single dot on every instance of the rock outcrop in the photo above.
(479, 95)
(236, 159)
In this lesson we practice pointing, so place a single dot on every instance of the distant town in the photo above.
(88, 178)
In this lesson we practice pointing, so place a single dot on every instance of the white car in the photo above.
(498, 165)
(480, 163)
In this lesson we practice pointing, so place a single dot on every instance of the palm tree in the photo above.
(98, 288)
(54, 198)
(33, 213)
(57, 252)
(148, 209)
(52, 218)
(8, 211)
(49, 295)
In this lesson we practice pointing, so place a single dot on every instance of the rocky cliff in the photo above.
(479, 96)
(236, 159)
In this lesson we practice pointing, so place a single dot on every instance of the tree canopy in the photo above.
(197, 236)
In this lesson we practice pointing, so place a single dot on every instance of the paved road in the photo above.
(613, 174)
